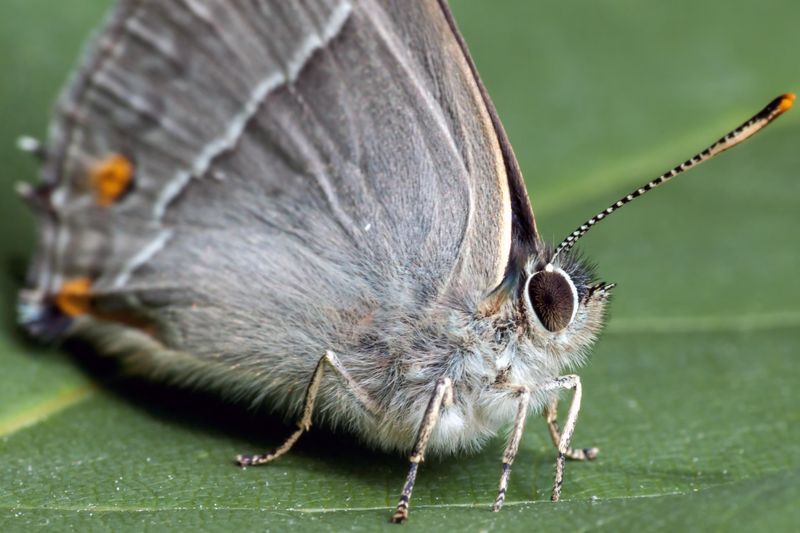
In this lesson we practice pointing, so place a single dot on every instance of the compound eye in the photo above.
(553, 298)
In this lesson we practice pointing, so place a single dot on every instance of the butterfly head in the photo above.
(554, 291)
(564, 305)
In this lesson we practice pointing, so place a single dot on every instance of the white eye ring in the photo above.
(550, 269)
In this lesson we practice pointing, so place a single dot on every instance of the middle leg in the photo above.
(442, 397)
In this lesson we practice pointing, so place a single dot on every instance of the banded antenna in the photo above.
(772, 111)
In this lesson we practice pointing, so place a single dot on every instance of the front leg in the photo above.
(523, 398)
(576, 454)
(562, 440)
(565, 382)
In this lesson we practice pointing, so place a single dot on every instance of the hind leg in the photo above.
(331, 362)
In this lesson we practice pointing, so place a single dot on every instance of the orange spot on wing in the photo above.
(74, 298)
(111, 178)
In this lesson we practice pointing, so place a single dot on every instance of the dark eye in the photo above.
(553, 299)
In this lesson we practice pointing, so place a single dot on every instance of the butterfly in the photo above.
(313, 206)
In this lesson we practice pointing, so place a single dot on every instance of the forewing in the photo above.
(294, 163)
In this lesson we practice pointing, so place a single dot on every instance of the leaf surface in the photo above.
(691, 394)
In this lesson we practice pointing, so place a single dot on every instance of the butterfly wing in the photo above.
(296, 172)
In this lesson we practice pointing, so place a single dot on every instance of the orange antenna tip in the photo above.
(786, 102)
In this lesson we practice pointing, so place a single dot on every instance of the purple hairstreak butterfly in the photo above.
(314, 205)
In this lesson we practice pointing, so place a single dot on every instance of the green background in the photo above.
(691, 393)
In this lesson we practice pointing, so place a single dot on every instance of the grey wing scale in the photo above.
(303, 172)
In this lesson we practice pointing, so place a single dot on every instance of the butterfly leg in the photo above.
(576, 454)
(565, 382)
(442, 396)
(328, 360)
(524, 396)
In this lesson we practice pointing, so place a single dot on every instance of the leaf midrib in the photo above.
(330, 510)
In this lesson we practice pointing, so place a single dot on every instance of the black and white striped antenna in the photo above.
(772, 111)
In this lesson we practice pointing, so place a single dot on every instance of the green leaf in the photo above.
(691, 393)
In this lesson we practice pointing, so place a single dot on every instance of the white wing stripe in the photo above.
(238, 123)
(144, 255)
